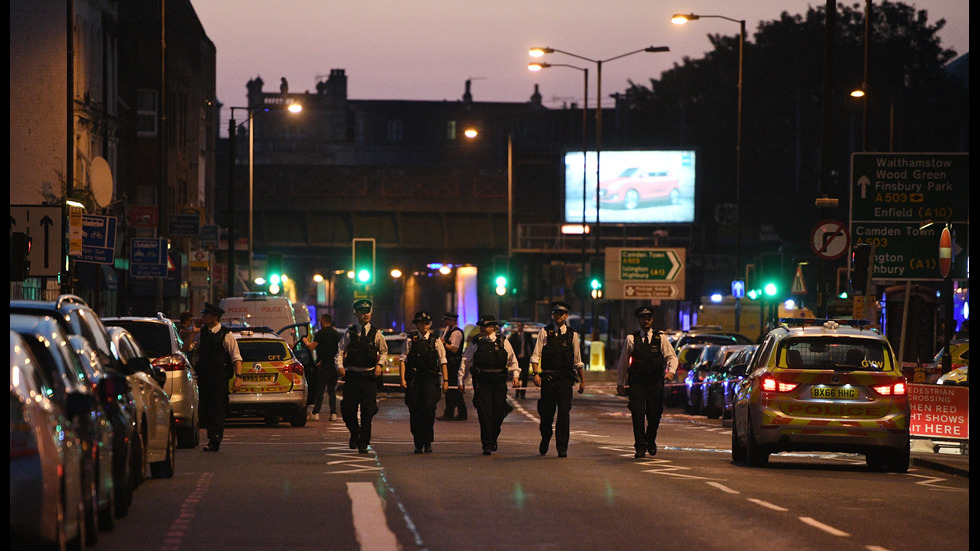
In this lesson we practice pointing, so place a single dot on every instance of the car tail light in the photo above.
(173, 362)
(770, 384)
(295, 368)
(894, 389)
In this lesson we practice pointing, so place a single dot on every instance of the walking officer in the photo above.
(557, 365)
(218, 360)
(423, 376)
(452, 341)
(523, 346)
(360, 358)
(488, 360)
(646, 359)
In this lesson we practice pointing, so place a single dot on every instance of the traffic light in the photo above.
(363, 260)
(20, 251)
(595, 286)
(273, 272)
(860, 268)
(500, 285)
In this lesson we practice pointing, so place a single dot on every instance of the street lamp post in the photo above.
(585, 164)
(680, 19)
(538, 52)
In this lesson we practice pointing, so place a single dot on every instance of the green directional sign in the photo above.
(644, 274)
(900, 203)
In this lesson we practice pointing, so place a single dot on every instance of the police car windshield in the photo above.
(261, 350)
(837, 353)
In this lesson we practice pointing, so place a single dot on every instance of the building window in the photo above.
(146, 113)
(451, 131)
(396, 130)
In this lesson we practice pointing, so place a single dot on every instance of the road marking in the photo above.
(370, 524)
(722, 487)
(768, 505)
(826, 528)
(188, 510)
(930, 482)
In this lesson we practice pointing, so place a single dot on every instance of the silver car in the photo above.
(161, 340)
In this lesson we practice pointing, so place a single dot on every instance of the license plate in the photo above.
(834, 393)
(262, 378)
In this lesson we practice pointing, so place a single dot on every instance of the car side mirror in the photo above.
(135, 365)
(739, 370)
(159, 375)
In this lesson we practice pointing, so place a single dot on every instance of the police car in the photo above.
(273, 385)
(823, 385)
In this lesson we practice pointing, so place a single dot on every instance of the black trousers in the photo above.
(324, 381)
(490, 401)
(556, 394)
(421, 397)
(360, 394)
(646, 405)
(213, 402)
(525, 364)
(455, 404)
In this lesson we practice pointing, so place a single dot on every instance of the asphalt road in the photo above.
(303, 488)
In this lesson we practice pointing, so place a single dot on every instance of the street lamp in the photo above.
(292, 107)
(585, 146)
(538, 52)
(680, 19)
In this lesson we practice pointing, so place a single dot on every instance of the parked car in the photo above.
(634, 186)
(76, 318)
(823, 385)
(273, 384)
(675, 393)
(47, 490)
(73, 393)
(735, 373)
(391, 376)
(160, 339)
(958, 376)
(712, 337)
(156, 426)
(712, 385)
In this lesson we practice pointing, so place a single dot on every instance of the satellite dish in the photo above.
(101, 179)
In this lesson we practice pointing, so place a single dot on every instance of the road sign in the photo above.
(148, 257)
(185, 225)
(830, 239)
(98, 239)
(798, 287)
(945, 252)
(644, 273)
(45, 225)
(894, 196)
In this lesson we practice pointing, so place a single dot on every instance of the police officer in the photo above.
(488, 360)
(423, 376)
(452, 341)
(360, 358)
(557, 364)
(523, 346)
(218, 360)
(647, 357)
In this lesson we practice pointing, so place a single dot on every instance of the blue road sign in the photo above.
(148, 257)
(98, 239)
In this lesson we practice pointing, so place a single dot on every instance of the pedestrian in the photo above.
(360, 358)
(557, 365)
(218, 360)
(324, 346)
(188, 331)
(423, 376)
(523, 345)
(646, 359)
(488, 360)
(452, 341)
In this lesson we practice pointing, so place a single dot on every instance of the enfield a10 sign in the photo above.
(900, 203)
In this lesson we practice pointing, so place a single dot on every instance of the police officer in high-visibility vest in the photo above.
(218, 360)
(360, 359)
(423, 376)
(557, 365)
(646, 359)
(452, 341)
(489, 359)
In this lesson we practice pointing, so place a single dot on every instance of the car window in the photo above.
(87, 324)
(837, 353)
(263, 350)
(153, 337)
(761, 358)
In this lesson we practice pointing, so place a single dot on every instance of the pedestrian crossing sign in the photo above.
(799, 287)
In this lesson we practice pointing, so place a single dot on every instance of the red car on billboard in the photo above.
(635, 186)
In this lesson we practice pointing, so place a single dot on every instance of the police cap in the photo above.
(560, 306)
(422, 316)
(212, 309)
(450, 316)
(363, 304)
(488, 320)
(643, 311)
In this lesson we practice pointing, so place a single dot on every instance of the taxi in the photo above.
(823, 385)
(273, 386)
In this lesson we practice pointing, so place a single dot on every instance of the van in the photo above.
(261, 310)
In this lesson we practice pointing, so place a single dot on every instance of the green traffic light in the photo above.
(596, 284)
(770, 289)
(364, 276)
(501, 281)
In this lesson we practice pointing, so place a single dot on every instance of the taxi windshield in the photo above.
(264, 350)
(837, 353)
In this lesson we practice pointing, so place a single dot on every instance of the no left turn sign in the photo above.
(830, 240)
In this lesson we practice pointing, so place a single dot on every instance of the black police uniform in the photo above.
(423, 374)
(558, 376)
(490, 375)
(214, 369)
(327, 339)
(455, 404)
(523, 346)
(645, 379)
(360, 384)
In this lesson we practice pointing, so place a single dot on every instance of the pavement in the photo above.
(951, 457)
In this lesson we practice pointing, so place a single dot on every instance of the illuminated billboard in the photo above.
(636, 187)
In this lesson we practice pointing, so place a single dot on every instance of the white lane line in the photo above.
(876, 548)
(369, 518)
(722, 487)
(826, 528)
(768, 505)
